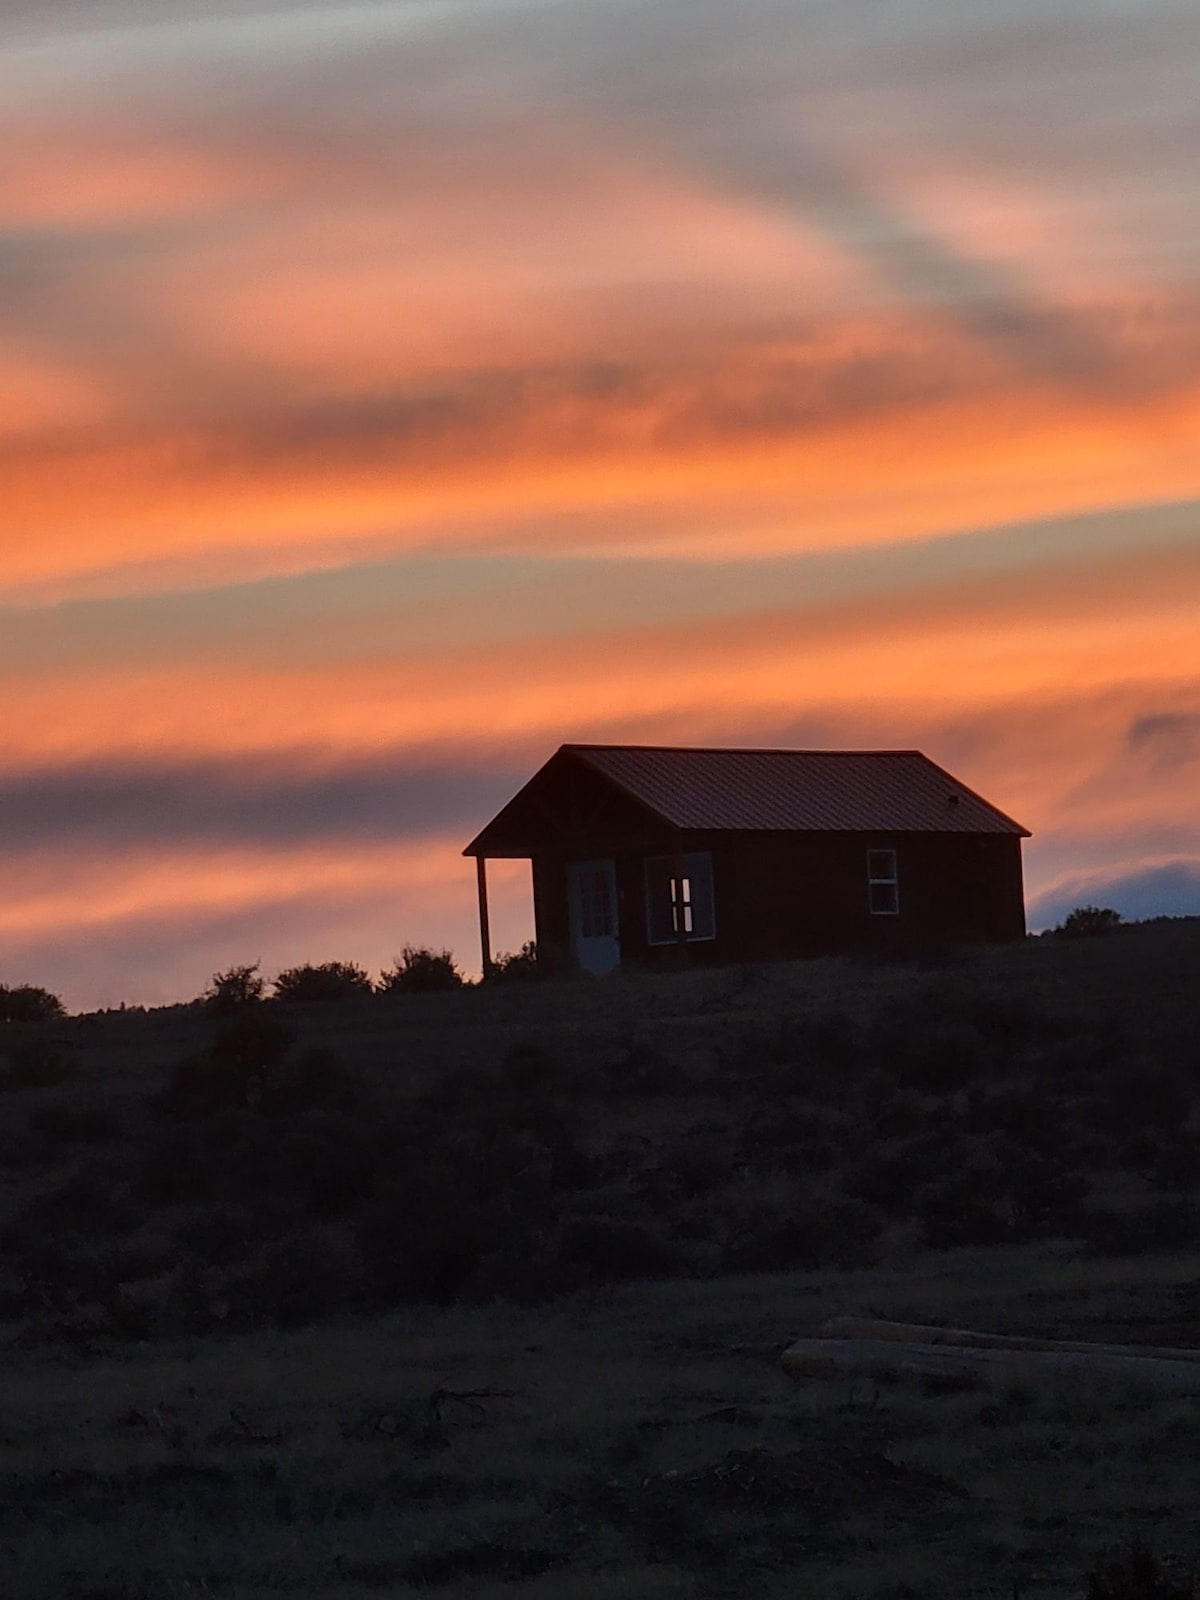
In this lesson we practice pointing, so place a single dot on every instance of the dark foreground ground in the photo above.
(486, 1292)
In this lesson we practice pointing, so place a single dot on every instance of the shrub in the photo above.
(807, 1236)
(518, 966)
(642, 1071)
(1086, 922)
(892, 1175)
(529, 1068)
(938, 1054)
(1007, 1195)
(232, 1072)
(317, 1079)
(1166, 1224)
(234, 990)
(27, 1003)
(611, 1250)
(332, 980)
(218, 1235)
(422, 1240)
(1147, 1094)
(68, 1124)
(1135, 1573)
(419, 970)
(306, 1274)
(36, 1064)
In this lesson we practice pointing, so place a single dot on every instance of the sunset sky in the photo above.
(391, 391)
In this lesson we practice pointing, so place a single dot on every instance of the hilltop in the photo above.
(397, 1291)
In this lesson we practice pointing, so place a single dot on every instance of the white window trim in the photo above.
(891, 880)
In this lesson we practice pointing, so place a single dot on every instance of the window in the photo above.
(883, 887)
(679, 898)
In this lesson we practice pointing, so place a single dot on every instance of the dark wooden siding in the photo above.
(807, 894)
(787, 895)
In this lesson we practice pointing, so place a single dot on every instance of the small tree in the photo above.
(331, 980)
(27, 1003)
(234, 990)
(1088, 922)
(419, 970)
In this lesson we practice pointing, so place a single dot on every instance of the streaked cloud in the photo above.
(389, 391)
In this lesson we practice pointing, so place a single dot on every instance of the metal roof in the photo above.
(860, 791)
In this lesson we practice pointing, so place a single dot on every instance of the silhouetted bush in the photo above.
(1135, 1573)
(317, 1079)
(1086, 922)
(234, 990)
(937, 1054)
(698, 1169)
(888, 1109)
(307, 1274)
(1165, 1224)
(74, 1125)
(641, 1070)
(219, 1235)
(332, 980)
(92, 1202)
(27, 1003)
(1148, 1094)
(529, 1068)
(517, 966)
(35, 1064)
(423, 1241)
(800, 1138)
(233, 1071)
(607, 1250)
(174, 1166)
(1004, 1196)
(808, 1236)
(326, 1164)
(419, 970)
(892, 1176)
(962, 1210)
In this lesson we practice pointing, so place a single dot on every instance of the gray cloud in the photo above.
(113, 806)
(1169, 890)
(1171, 738)
(787, 104)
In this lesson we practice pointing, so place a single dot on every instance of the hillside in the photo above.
(422, 1294)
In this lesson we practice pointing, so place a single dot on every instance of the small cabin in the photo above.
(648, 856)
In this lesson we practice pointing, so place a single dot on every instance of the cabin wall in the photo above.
(807, 894)
(793, 895)
(629, 853)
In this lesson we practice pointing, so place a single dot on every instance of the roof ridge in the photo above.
(746, 750)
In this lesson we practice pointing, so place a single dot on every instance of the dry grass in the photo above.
(642, 1442)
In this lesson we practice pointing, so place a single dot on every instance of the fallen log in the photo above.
(925, 1333)
(867, 1347)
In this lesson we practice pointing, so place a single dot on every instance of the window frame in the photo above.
(651, 866)
(880, 879)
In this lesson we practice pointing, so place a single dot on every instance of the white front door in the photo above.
(592, 899)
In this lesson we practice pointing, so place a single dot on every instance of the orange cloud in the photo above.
(957, 645)
(475, 467)
(87, 177)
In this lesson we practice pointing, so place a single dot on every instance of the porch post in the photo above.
(485, 936)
